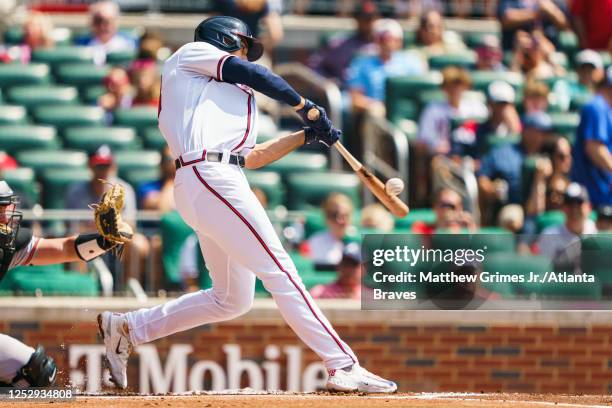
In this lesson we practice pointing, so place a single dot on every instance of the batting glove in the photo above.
(321, 124)
(328, 138)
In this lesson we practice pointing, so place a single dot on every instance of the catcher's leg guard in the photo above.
(39, 371)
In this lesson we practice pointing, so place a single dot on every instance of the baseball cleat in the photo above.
(114, 332)
(358, 379)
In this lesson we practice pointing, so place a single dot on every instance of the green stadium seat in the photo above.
(568, 43)
(39, 95)
(120, 57)
(153, 138)
(298, 162)
(14, 138)
(63, 55)
(50, 282)
(318, 278)
(128, 160)
(139, 176)
(63, 117)
(19, 74)
(90, 94)
(270, 183)
(464, 59)
(23, 180)
(565, 123)
(140, 118)
(173, 232)
(43, 160)
(12, 115)
(549, 219)
(511, 263)
(90, 138)
(307, 190)
(13, 35)
(495, 240)
(81, 75)
(476, 39)
(482, 79)
(493, 140)
(426, 215)
(595, 257)
(399, 89)
(57, 182)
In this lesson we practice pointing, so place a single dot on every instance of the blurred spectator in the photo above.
(589, 67)
(535, 97)
(528, 15)
(489, 54)
(431, 38)
(604, 218)
(555, 192)
(82, 194)
(435, 121)
(7, 162)
(348, 285)
(325, 247)
(532, 56)
(149, 45)
(118, 92)
(37, 33)
(368, 74)
(499, 178)
(561, 243)
(254, 13)
(450, 215)
(104, 36)
(146, 82)
(592, 23)
(376, 217)
(592, 153)
(159, 195)
(503, 121)
(562, 158)
(261, 196)
(511, 218)
(332, 62)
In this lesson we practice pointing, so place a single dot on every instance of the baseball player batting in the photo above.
(20, 365)
(208, 116)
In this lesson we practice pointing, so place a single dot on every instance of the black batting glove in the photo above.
(328, 138)
(321, 124)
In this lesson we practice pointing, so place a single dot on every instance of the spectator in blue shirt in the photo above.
(368, 74)
(158, 195)
(592, 153)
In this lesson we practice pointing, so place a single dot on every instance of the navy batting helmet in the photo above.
(225, 33)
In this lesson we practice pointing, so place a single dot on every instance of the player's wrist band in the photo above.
(90, 246)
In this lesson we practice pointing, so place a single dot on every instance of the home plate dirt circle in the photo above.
(326, 400)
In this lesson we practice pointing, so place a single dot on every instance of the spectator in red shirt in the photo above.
(6, 161)
(450, 215)
(592, 23)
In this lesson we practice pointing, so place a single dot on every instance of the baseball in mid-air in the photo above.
(394, 186)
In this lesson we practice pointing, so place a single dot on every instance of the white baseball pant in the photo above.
(13, 355)
(238, 242)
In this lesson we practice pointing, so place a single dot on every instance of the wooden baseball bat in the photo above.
(396, 206)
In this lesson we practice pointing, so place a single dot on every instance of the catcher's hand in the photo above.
(107, 215)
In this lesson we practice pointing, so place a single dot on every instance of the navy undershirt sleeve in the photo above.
(261, 79)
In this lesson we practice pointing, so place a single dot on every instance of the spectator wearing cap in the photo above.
(592, 153)
(436, 120)
(105, 37)
(592, 23)
(489, 55)
(590, 70)
(499, 177)
(561, 243)
(528, 15)
(333, 61)
(368, 74)
(348, 285)
(503, 120)
(604, 218)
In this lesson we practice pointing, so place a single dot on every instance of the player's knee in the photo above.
(39, 371)
(238, 306)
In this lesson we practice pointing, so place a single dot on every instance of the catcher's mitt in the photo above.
(107, 215)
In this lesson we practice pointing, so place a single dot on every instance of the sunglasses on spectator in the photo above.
(335, 215)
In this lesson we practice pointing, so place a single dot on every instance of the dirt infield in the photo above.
(324, 400)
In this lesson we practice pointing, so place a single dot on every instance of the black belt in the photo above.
(234, 159)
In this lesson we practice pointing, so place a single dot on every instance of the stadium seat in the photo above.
(299, 162)
(120, 57)
(595, 256)
(464, 59)
(63, 117)
(408, 88)
(495, 240)
(493, 140)
(511, 263)
(318, 278)
(62, 55)
(14, 138)
(137, 177)
(568, 43)
(307, 190)
(23, 181)
(18, 74)
(90, 138)
(140, 118)
(57, 182)
(50, 282)
(153, 139)
(482, 79)
(39, 95)
(549, 219)
(90, 94)
(565, 123)
(128, 160)
(43, 160)
(174, 232)
(426, 215)
(270, 183)
(81, 75)
(475, 39)
(12, 115)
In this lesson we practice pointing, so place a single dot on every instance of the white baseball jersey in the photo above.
(198, 111)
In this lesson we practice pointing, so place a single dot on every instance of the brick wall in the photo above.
(566, 352)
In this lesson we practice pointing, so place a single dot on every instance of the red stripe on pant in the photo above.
(263, 244)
